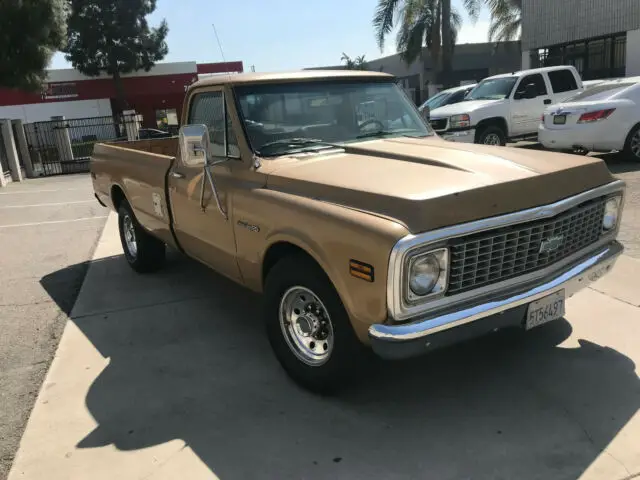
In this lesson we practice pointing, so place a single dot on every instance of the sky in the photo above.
(274, 35)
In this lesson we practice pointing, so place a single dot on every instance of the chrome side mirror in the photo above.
(195, 144)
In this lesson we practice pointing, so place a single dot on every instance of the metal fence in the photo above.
(65, 146)
(4, 158)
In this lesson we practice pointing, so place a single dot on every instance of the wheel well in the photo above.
(117, 196)
(277, 252)
(493, 122)
(631, 130)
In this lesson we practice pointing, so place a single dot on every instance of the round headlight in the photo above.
(424, 275)
(610, 219)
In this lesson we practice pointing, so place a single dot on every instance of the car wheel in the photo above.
(308, 327)
(143, 252)
(492, 135)
(632, 145)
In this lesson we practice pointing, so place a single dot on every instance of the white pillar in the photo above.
(131, 124)
(633, 53)
(10, 149)
(526, 60)
(62, 139)
(23, 147)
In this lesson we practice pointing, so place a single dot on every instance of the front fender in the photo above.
(331, 234)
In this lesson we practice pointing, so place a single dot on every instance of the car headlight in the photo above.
(459, 121)
(427, 274)
(611, 213)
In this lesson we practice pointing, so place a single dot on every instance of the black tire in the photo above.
(631, 150)
(492, 131)
(149, 255)
(348, 353)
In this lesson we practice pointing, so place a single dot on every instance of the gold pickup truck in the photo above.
(329, 193)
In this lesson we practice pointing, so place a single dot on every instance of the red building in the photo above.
(157, 95)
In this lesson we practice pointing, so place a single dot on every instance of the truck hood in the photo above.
(428, 183)
(468, 106)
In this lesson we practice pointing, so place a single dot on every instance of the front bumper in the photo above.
(462, 136)
(499, 311)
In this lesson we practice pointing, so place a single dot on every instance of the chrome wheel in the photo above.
(306, 326)
(130, 235)
(634, 145)
(492, 139)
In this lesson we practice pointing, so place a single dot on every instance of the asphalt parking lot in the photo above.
(45, 225)
(170, 376)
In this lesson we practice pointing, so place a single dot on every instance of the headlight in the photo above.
(459, 121)
(611, 214)
(427, 274)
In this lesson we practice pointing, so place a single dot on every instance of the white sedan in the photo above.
(602, 118)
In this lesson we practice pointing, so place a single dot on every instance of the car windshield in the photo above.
(493, 89)
(311, 116)
(599, 92)
(436, 101)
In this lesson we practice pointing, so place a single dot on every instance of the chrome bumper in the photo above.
(454, 325)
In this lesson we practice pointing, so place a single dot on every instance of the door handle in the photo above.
(547, 101)
(177, 175)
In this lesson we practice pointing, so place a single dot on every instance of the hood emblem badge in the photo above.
(551, 244)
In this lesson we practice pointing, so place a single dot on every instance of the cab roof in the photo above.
(522, 73)
(295, 76)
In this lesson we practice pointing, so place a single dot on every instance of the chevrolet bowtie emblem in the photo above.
(551, 244)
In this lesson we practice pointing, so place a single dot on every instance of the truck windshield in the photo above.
(493, 89)
(277, 117)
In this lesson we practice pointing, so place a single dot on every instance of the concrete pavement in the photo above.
(170, 376)
(46, 224)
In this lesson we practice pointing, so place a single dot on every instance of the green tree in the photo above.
(31, 31)
(506, 19)
(113, 36)
(358, 63)
(430, 23)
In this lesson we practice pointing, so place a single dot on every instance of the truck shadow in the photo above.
(196, 366)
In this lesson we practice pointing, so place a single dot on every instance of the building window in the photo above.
(602, 57)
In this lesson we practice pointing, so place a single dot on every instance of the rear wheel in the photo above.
(632, 146)
(308, 327)
(492, 135)
(143, 252)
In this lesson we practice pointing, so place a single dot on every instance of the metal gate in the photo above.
(65, 146)
(4, 158)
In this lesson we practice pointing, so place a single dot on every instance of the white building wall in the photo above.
(633, 53)
(40, 112)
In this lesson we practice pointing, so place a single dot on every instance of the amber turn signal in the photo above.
(361, 270)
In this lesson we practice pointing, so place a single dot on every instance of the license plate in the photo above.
(545, 310)
(559, 119)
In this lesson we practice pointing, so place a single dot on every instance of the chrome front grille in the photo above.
(488, 257)
(438, 124)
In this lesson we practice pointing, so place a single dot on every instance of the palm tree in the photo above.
(432, 23)
(358, 63)
(506, 19)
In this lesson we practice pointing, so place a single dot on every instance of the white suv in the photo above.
(506, 107)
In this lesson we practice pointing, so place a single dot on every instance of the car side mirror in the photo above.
(426, 113)
(195, 143)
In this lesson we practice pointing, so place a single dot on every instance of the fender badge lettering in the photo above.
(248, 226)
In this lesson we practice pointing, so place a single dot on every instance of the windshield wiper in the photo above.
(294, 144)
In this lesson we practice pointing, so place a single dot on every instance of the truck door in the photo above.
(202, 230)
(526, 112)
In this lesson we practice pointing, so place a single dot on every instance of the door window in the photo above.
(209, 109)
(537, 80)
(562, 81)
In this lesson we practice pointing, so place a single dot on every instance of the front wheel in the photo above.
(632, 145)
(308, 327)
(143, 252)
(492, 135)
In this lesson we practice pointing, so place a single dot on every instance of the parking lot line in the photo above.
(52, 222)
(19, 192)
(46, 204)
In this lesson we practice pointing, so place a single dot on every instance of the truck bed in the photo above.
(139, 168)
